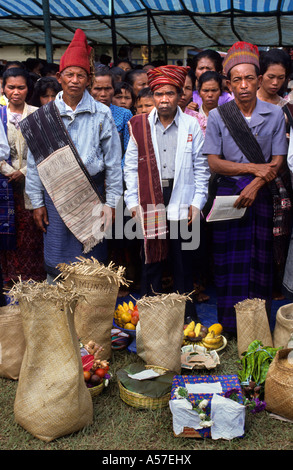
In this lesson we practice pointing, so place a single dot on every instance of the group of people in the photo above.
(164, 140)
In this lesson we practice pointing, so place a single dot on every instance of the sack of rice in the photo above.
(283, 326)
(252, 324)
(94, 312)
(51, 398)
(279, 385)
(12, 341)
(161, 324)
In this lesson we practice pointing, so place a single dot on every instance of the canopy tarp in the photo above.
(193, 23)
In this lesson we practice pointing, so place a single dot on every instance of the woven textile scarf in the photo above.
(63, 174)
(280, 187)
(7, 213)
(151, 203)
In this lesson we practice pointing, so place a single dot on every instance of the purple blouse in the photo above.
(224, 97)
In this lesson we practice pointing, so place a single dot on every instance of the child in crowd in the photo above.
(144, 102)
(123, 95)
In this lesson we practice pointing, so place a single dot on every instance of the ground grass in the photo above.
(119, 427)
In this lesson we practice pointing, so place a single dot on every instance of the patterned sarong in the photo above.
(63, 174)
(7, 212)
(243, 252)
(151, 203)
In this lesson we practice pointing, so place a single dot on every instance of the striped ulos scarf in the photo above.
(151, 203)
(63, 174)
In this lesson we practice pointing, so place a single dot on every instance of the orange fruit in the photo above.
(87, 375)
(129, 326)
(126, 317)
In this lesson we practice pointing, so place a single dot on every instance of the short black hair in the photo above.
(105, 72)
(210, 75)
(144, 93)
(131, 74)
(124, 86)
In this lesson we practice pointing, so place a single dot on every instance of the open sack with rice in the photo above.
(95, 309)
(51, 398)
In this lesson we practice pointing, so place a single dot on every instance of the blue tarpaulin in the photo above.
(194, 23)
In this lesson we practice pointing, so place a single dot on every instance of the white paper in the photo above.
(183, 416)
(144, 375)
(223, 209)
(228, 417)
(214, 387)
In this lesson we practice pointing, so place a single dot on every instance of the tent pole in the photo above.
(47, 28)
(149, 37)
(113, 29)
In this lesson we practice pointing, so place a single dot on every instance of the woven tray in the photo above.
(138, 400)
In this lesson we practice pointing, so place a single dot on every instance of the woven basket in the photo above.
(95, 391)
(279, 385)
(138, 400)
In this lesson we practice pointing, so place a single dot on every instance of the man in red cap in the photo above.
(246, 147)
(92, 175)
(166, 180)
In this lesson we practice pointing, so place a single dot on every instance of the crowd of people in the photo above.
(78, 138)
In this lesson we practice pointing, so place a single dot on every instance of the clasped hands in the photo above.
(264, 173)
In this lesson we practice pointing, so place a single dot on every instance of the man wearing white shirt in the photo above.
(164, 167)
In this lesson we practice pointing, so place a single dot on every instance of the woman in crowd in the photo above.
(26, 260)
(207, 61)
(209, 90)
(186, 99)
(275, 66)
(45, 90)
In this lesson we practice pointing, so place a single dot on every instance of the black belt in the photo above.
(167, 183)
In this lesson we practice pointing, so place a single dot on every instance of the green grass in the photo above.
(117, 426)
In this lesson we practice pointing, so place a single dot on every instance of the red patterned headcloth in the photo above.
(167, 75)
(241, 53)
(77, 54)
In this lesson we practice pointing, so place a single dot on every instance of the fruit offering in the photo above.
(126, 316)
(95, 370)
(210, 338)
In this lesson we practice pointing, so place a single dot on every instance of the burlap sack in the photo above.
(279, 386)
(94, 312)
(12, 341)
(283, 326)
(52, 399)
(252, 323)
(161, 323)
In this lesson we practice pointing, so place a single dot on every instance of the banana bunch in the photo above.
(126, 315)
(210, 338)
(212, 341)
(195, 332)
